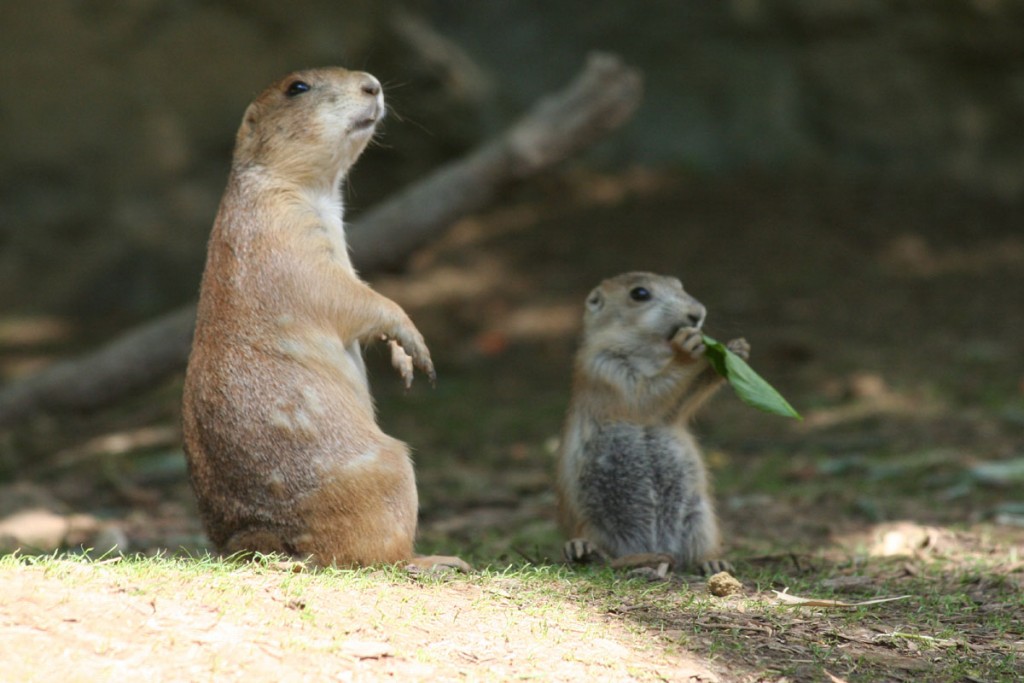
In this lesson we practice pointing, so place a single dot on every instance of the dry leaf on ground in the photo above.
(796, 600)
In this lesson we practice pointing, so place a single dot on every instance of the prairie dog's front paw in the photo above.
(408, 349)
(401, 361)
(740, 347)
(689, 341)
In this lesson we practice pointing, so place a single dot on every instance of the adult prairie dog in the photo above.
(631, 481)
(283, 447)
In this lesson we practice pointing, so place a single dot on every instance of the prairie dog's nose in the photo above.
(697, 315)
(369, 85)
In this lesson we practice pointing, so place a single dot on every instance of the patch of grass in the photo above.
(961, 621)
(861, 487)
(942, 629)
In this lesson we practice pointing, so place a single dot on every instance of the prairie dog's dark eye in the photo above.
(640, 294)
(296, 88)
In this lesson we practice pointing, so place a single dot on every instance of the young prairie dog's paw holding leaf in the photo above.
(728, 361)
(689, 341)
(740, 347)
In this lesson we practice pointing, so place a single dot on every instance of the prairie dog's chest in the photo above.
(322, 238)
(329, 214)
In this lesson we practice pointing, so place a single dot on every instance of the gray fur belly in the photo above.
(642, 490)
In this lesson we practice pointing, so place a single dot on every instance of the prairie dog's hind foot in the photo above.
(436, 564)
(582, 551)
(712, 567)
(650, 566)
(652, 574)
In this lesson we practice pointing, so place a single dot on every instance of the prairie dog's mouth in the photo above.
(374, 114)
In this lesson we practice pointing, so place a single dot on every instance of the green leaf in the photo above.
(748, 385)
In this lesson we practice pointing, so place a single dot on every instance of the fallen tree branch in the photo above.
(133, 361)
(601, 98)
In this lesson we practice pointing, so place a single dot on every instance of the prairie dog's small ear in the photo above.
(248, 127)
(595, 301)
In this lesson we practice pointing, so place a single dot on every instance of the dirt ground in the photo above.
(891, 314)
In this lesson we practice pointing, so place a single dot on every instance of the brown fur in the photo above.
(283, 447)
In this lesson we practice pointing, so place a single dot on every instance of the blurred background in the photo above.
(118, 117)
(840, 182)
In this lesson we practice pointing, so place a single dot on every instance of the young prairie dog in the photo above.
(631, 480)
(283, 447)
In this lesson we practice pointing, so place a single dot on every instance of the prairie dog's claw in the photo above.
(409, 349)
(401, 361)
(689, 340)
(740, 347)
